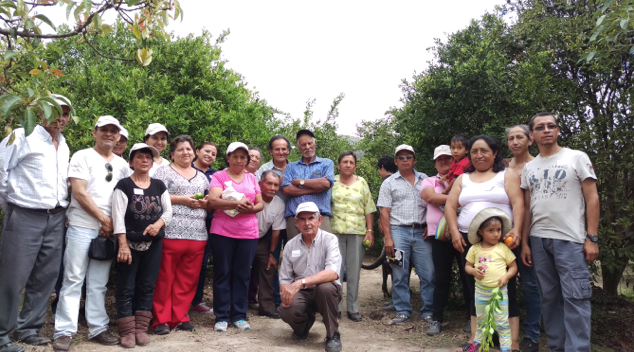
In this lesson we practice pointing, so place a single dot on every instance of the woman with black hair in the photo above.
(141, 209)
(484, 184)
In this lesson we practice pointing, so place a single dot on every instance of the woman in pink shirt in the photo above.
(234, 237)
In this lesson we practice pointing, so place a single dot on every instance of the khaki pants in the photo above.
(292, 230)
(323, 298)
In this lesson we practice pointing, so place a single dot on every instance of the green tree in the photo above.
(25, 79)
(495, 73)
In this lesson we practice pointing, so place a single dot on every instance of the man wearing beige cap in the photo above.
(405, 212)
(33, 192)
(309, 279)
(93, 174)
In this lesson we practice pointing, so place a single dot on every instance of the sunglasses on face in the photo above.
(404, 157)
(109, 175)
(550, 126)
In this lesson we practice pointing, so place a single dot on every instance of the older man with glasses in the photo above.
(93, 174)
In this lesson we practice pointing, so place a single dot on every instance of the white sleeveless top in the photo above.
(477, 196)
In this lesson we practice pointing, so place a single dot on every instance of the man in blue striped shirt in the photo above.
(308, 180)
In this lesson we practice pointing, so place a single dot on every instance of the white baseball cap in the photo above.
(108, 120)
(61, 100)
(138, 146)
(124, 133)
(404, 147)
(307, 206)
(236, 145)
(442, 150)
(155, 128)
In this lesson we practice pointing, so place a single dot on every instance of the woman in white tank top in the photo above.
(486, 184)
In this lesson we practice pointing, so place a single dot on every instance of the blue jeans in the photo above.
(564, 281)
(532, 298)
(419, 251)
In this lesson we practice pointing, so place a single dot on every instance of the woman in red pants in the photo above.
(185, 239)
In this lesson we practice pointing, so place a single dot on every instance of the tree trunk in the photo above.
(611, 280)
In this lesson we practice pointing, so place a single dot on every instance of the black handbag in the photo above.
(102, 248)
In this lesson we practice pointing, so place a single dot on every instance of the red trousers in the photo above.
(177, 279)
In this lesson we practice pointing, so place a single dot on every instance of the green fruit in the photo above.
(366, 243)
(199, 196)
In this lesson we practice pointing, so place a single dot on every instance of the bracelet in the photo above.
(369, 230)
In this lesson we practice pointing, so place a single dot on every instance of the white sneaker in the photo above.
(221, 326)
(242, 325)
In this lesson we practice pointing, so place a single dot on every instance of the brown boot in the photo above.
(142, 323)
(126, 332)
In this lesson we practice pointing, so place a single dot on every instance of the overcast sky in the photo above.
(293, 51)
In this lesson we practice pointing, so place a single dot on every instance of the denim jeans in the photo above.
(419, 251)
(532, 298)
(77, 268)
(135, 281)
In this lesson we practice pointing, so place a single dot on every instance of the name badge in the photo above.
(138, 191)
(295, 253)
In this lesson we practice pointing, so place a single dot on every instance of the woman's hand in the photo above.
(154, 228)
(124, 255)
(245, 206)
(458, 242)
(369, 236)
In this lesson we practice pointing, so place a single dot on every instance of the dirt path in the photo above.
(372, 334)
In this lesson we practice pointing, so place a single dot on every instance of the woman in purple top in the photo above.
(234, 237)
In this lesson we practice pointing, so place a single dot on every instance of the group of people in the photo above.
(161, 220)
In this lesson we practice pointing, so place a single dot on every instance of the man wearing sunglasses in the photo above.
(33, 192)
(403, 215)
(93, 174)
(559, 188)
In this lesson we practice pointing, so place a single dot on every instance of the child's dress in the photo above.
(493, 262)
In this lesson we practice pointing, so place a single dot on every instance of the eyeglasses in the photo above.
(109, 175)
(550, 126)
(403, 157)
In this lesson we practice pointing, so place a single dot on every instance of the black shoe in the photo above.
(186, 326)
(272, 315)
(356, 317)
(333, 344)
(339, 316)
(11, 348)
(162, 329)
(35, 340)
(527, 345)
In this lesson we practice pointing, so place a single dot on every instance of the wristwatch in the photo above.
(303, 283)
(592, 238)
(272, 253)
(301, 182)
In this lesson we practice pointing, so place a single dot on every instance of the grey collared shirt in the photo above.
(299, 261)
(406, 205)
(270, 166)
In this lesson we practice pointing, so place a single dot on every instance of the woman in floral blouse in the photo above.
(185, 239)
(352, 218)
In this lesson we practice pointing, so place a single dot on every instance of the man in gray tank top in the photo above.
(559, 186)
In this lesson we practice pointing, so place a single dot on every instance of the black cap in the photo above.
(302, 132)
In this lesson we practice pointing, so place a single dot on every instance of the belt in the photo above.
(55, 210)
(415, 226)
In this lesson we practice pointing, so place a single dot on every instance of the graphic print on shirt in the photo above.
(146, 208)
(548, 183)
(483, 263)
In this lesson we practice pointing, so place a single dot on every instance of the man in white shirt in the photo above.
(559, 188)
(93, 174)
(270, 221)
(33, 192)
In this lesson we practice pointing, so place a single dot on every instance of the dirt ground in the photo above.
(374, 333)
